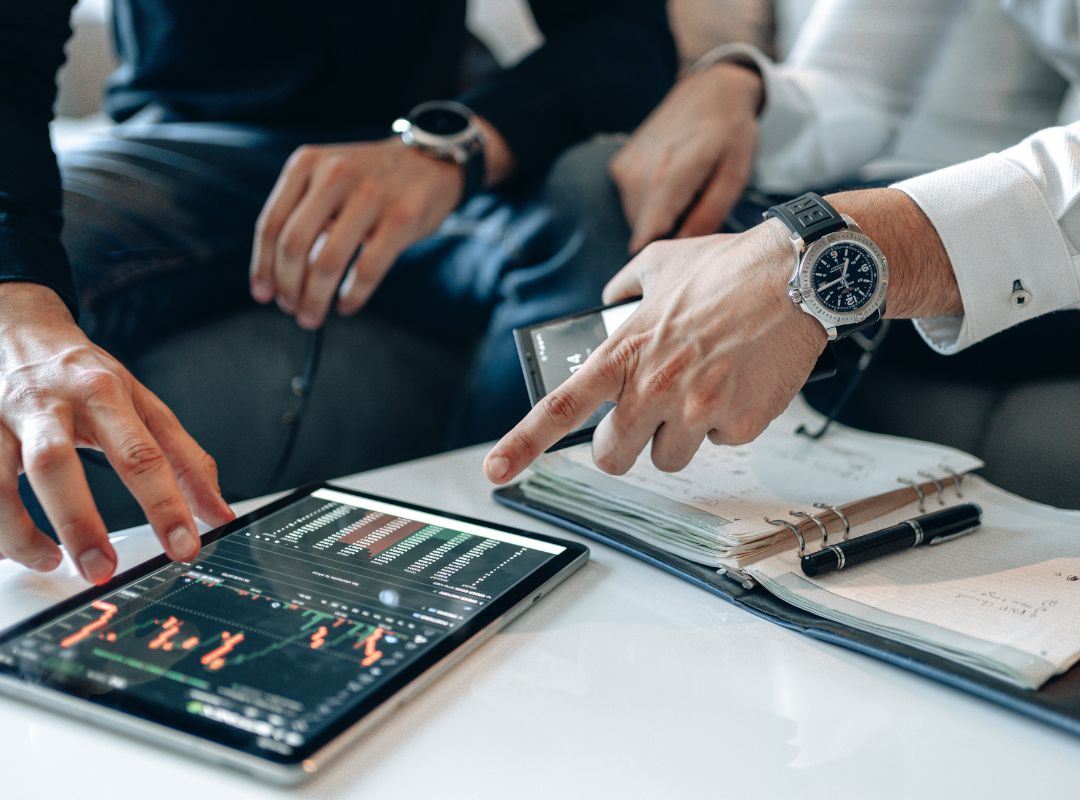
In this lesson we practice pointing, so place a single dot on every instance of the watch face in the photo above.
(844, 277)
(441, 121)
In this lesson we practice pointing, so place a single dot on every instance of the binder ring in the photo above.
(957, 479)
(840, 514)
(918, 490)
(794, 529)
(820, 525)
(939, 487)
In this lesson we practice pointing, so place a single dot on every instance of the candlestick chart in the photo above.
(278, 627)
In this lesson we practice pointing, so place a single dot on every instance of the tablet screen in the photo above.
(285, 628)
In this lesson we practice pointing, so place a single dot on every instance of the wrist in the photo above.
(499, 162)
(738, 86)
(780, 265)
(29, 313)
(24, 301)
(921, 280)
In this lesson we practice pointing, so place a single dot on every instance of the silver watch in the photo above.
(448, 131)
(841, 275)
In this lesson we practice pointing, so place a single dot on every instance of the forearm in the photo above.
(921, 279)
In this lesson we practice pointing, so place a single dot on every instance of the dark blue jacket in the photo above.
(336, 64)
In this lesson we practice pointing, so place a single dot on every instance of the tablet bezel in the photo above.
(305, 759)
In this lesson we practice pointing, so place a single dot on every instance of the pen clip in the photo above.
(951, 536)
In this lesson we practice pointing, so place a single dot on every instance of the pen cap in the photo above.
(950, 520)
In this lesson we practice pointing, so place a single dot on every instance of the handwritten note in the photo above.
(1005, 598)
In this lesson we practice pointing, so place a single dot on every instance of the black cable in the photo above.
(301, 388)
(869, 346)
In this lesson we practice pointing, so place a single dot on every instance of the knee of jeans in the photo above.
(578, 186)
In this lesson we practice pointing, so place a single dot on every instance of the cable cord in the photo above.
(300, 386)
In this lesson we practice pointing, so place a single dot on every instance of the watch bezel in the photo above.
(456, 147)
(802, 280)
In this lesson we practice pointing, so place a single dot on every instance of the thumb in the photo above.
(625, 284)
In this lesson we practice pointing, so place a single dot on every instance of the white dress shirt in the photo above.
(883, 89)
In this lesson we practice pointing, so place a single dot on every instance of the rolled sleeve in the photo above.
(1006, 246)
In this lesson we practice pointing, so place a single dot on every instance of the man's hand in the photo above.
(382, 195)
(715, 349)
(58, 391)
(692, 158)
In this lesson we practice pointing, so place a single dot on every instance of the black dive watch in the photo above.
(840, 275)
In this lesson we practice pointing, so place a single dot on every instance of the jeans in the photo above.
(159, 219)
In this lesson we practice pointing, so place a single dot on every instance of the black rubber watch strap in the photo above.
(809, 216)
(843, 331)
(475, 168)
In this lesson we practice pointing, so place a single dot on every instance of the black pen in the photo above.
(931, 528)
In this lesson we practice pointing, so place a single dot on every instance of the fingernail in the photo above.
(498, 467)
(46, 564)
(309, 321)
(262, 291)
(284, 305)
(95, 565)
(183, 542)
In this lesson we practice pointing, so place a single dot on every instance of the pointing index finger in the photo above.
(563, 410)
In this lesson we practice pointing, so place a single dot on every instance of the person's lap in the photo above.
(159, 220)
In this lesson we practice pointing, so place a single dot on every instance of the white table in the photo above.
(624, 683)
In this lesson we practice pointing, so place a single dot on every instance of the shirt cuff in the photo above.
(1006, 248)
(36, 257)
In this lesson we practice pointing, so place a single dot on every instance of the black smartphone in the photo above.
(552, 351)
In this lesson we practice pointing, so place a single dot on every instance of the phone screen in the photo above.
(553, 351)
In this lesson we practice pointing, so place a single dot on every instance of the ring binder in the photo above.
(918, 490)
(939, 487)
(821, 525)
(957, 479)
(840, 514)
(921, 491)
(763, 527)
(794, 529)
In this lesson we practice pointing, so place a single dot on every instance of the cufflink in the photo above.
(1020, 296)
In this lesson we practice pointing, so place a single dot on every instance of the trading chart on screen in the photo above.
(275, 628)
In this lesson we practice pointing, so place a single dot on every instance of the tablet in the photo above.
(296, 627)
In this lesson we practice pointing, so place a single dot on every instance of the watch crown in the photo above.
(795, 295)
